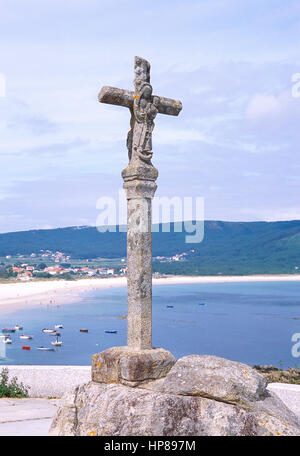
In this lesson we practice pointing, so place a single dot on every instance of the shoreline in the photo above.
(15, 296)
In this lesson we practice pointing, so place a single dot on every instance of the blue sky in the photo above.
(230, 62)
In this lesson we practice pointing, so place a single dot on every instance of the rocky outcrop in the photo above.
(215, 378)
(200, 395)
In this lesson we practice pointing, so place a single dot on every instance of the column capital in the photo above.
(139, 180)
(139, 189)
(138, 170)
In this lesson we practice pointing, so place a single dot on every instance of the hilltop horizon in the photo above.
(49, 228)
(227, 247)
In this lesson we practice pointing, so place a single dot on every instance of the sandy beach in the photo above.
(14, 296)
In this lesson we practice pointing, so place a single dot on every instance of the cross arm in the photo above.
(121, 97)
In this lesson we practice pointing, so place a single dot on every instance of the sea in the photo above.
(250, 322)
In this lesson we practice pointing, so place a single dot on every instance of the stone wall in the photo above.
(49, 381)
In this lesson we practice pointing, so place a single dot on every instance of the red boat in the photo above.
(84, 330)
(25, 348)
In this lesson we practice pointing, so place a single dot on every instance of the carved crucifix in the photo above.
(139, 182)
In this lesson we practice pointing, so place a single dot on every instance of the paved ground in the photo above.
(33, 416)
(289, 394)
(30, 417)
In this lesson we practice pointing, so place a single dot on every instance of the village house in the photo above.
(54, 270)
(24, 276)
(17, 269)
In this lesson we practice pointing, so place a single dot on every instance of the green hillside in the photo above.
(227, 248)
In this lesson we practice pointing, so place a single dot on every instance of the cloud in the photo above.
(173, 135)
(272, 215)
(38, 125)
(58, 201)
(230, 63)
(262, 106)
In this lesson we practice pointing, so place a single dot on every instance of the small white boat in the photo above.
(45, 330)
(45, 348)
(25, 336)
(58, 326)
(57, 343)
(18, 327)
(7, 340)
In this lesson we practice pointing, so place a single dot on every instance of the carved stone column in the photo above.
(137, 362)
(139, 194)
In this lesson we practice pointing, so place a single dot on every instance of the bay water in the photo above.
(250, 322)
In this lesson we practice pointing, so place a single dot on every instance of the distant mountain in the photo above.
(227, 248)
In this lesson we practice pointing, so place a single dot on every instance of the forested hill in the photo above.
(227, 247)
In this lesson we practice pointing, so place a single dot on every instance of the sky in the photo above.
(230, 62)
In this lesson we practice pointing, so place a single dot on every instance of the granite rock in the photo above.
(118, 410)
(199, 396)
(214, 378)
(131, 367)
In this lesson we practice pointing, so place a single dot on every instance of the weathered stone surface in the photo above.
(117, 410)
(139, 273)
(131, 367)
(201, 395)
(215, 378)
(139, 182)
(121, 97)
(66, 416)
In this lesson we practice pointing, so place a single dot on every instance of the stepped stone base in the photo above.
(131, 367)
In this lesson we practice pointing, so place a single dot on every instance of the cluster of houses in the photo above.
(57, 257)
(177, 257)
(26, 271)
(22, 272)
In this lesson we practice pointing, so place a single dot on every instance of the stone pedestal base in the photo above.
(131, 367)
(200, 396)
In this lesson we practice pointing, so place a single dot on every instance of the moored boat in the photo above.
(18, 327)
(57, 343)
(7, 330)
(46, 330)
(25, 348)
(7, 340)
(58, 326)
(84, 330)
(109, 331)
(25, 336)
(45, 348)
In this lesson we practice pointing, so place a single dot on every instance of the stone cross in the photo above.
(139, 182)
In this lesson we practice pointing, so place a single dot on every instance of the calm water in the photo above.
(248, 322)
